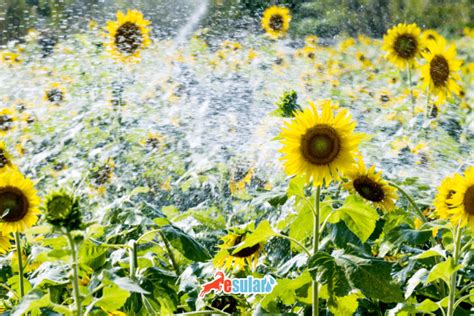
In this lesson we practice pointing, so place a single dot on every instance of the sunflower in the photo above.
(403, 44)
(430, 35)
(319, 145)
(4, 244)
(276, 21)
(55, 93)
(10, 58)
(18, 202)
(128, 35)
(440, 71)
(7, 121)
(462, 201)
(5, 158)
(445, 193)
(245, 257)
(371, 186)
(311, 40)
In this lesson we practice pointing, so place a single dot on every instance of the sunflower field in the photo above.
(269, 174)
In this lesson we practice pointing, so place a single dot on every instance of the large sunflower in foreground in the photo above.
(446, 191)
(319, 145)
(370, 185)
(462, 201)
(241, 259)
(403, 44)
(440, 72)
(276, 21)
(128, 35)
(18, 202)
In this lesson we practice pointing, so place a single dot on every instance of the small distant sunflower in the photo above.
(440, 71)
(10, 58)
(370, 185)
(462, 200)
(245, 257)
(128, 35)
(55, 94)
(276, 21)
(403, 44)
(446, 191)
(319, 145)
(4, 244)
(5, 158)
(7, 121)
(18, 202)
(311, 40)
(430, 35)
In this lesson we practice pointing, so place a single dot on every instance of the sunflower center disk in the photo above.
(5, 122)
(55, 95)
(276, 22)
(369, 189)
(468, 200)
(406, 46)
(321, 145)
(13, 204)
(129, 38)
(246, 252)
(439, 70)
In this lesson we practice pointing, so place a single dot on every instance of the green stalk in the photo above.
(410, 200)
(170, 253)
(133, 257)
(315, 249)
(452, 281)
(20, 263)
(411, 89)
(75, 270)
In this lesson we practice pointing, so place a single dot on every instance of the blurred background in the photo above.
(234, 18)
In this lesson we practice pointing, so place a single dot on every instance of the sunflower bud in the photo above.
(62, 210)
(288, 105)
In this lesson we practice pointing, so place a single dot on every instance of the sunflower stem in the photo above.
(170, 253)
(411, 89)
(452, 282)
(75, 271)
(315, 248)
(419, 213)
(20, 263)
(132, 251)
(428, 107)
(296, 242)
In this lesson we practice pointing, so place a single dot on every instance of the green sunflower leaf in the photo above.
(359, 217)
(185, 244)
(263, 232)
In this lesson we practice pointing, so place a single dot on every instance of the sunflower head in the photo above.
(461, 203)
(430, 35)
(319, 145)
(246, 257)
(440, 71)
(445, 193)
(370, 185)
(5, 158)
(403, 44)
(18, 202)
(276, 21)
(62, 210)
(128, 35)
(7, 121)
(55, 94)
(288, 104)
